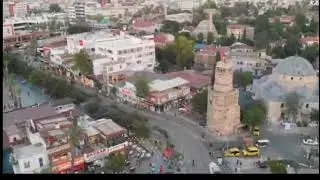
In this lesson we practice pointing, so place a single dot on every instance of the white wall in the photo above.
(34, 163)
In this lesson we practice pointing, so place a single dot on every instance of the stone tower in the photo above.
(223, 113)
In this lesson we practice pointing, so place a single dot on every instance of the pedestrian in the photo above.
(240, 163)
(235, 170)
(193, 164)
(237, 161)
(28, 93)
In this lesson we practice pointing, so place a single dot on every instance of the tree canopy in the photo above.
(184, 49)
(116, 162)
(254, 115)
(83, 63)
(210, 38)
(78, 28)
(142, 87)
(199, 102)
(291, 101)
(277, 167)
(55, 8)
(242, 79)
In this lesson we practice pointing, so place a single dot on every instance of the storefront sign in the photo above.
(118, 147)
(103, 152)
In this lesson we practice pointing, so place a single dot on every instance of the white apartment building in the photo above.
(117, 52)
(79, 10)
(29, 159)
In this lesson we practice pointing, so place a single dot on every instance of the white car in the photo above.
(310, 142)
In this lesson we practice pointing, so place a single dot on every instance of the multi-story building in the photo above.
(164, 93)
(244, 59)
(102, 138)
(78, 11)
(29, 159)
(117, 52)
(8, 9)
(206, 57)
(239, 31)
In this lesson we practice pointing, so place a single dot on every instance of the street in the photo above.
(186, 135)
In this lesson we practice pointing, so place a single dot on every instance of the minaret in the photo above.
(210, 13)
(223, 113)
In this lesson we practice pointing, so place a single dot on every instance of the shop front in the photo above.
(104, 152)
(66, 167)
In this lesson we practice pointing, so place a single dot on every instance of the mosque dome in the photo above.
(295, 66)
(203, 27)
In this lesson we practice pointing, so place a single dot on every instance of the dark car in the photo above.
(263, 164)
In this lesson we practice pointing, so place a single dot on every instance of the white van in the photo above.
(262, 143)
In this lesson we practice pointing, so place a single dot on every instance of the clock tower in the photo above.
(223, 113)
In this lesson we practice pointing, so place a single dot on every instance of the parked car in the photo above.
(233, 152)
(251, 151)
(310, 142)
(262, 164)
(262, 143)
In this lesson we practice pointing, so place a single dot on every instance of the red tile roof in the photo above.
(236, 26)
(195, 80)
(314, 39)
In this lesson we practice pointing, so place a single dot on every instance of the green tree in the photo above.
(142, 87)
(277, 167)
(200, 37)
(310, 53)
(32, 48)
(314, 27)
(92, 108)
(116, 162)
(55, 8)
(254, 115)
(199, 102)
(301, 21)
(262, 24)
(314, 116)
(74, 134)
(292, 46)
(83, 63)
(261, 39)
(291, 101)
(184, 49)
(218, 56)
(78, 28)
(247, 78)
(210, 38)
(171, 27)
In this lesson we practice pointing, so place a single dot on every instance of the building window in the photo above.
(40, 162)
(26, 165)
(307, 105)
(291, 78)
(282, 105)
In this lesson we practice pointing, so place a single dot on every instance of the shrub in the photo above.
(277, 167)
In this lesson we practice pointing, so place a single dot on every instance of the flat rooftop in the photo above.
(25, 114)
(106, 126)
(28, 151)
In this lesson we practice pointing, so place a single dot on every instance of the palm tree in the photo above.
(74, 135)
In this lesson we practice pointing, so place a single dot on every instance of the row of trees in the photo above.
(55, 86)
